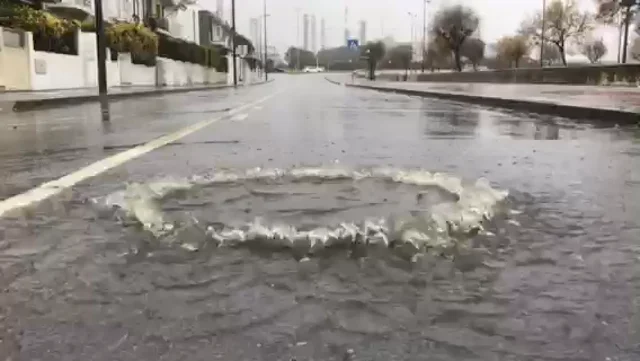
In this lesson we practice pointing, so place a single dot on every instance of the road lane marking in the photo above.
(240, 117)
(49, 189)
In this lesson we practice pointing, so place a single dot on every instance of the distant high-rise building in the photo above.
(347, 35)
(313, 34)
(305, 31)
(255, 35)
(363, 32)
(254, 31)
(323, 35)
(259, 44)
(220, 9)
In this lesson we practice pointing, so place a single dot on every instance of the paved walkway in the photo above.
(616, 98)
(9, 96)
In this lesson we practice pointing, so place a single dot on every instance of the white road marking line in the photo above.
(240, 117)
(258, 108)
(49, 189)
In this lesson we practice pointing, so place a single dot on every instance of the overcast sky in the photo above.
(384, 18)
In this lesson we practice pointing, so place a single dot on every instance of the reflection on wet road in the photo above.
(324, 224)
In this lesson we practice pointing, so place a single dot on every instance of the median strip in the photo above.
(605, 114)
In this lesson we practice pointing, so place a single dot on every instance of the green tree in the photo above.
(373, 52)
(564, 22)
(398, 57)
(342, 58)
(511, 49)
(473, 50)
(298, 58)
(594, 50)
(437, 55)
(455, 24)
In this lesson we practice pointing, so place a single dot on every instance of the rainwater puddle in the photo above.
(311, 210)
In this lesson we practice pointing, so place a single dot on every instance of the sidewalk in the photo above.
(31, 100)
(610, 104)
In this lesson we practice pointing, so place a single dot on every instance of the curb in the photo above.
(48, 103)
(567, 111)
(332, 81)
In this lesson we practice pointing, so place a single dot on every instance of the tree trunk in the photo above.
(372, 70)
(456, 54)
(563, 55)
(625, 41)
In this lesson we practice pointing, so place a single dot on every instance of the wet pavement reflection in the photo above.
(327, 224)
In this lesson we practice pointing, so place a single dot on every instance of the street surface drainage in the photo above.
(308, 211)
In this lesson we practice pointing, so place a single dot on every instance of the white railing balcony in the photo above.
(76, 9)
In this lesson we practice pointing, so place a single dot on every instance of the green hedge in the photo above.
(144, 46)
(177, 49)
(580, 75)
(50, 33)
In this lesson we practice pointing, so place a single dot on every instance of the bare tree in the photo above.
(551, 54)
(512, 49)
(594, 50)
(563, 23)
(455, 24)
(473, 50)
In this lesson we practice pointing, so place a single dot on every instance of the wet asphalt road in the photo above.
(557, 279)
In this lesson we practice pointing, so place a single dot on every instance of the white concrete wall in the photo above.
(252, 76)
(178, 73)
(15, 72)
(89, 55)
(113, 71)
(56, 71)
(245, 75)
(215, 77)
(134, 74)
(71, 71)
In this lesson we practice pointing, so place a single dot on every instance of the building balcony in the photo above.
(158, 24)
(72, 9)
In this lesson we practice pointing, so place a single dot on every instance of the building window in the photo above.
(219, 33)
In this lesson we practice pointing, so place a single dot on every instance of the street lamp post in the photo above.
(620, 30)
(101, 45)
(424, 31)
(544, 10)
(233, 42)
(628, 4)
(298, 38)
(266, 48)
(412, 17)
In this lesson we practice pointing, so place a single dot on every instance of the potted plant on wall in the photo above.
(134, 41)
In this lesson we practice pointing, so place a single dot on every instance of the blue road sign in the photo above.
(353, 44)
